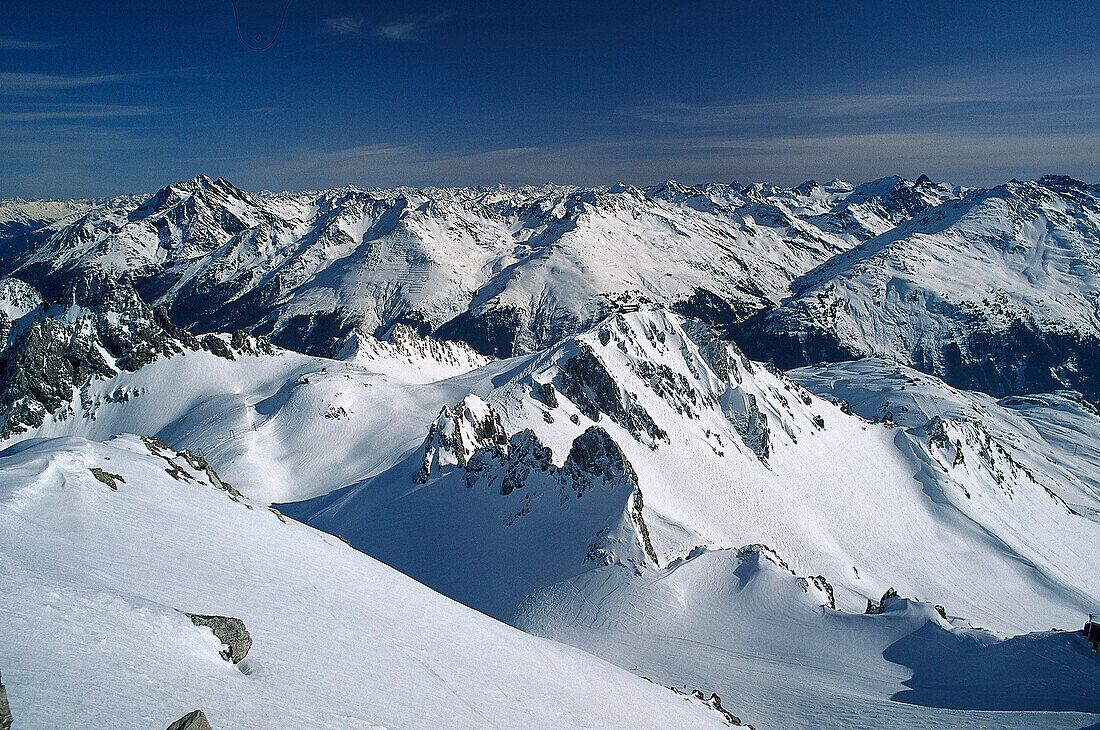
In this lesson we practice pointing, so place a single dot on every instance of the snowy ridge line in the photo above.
(507, 270)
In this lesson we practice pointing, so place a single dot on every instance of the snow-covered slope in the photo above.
(741, 624)
(645, 438)
(646, 492)
(507, 270)
(104, 546)
(645, 480)
(1054, 436)
(999, 291)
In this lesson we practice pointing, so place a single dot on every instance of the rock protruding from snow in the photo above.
(194, 720)
(404, 353)
(5, 709)
(230, 631)
(458, 433)
(99, 327)
(585, 380)
(595, 459)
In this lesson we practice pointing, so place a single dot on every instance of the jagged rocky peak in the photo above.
(459, 432)
(647, 371)
(406, 352)
(18, 298)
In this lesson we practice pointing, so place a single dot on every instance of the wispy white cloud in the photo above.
(344, 25)
(31, 83)
(7, 43)
(412, 27)
(957, 98)
(79, 111)
(409, 28)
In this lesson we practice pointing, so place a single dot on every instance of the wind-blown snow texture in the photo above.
(96, 580)
(527, 400)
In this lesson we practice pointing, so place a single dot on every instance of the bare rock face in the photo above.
(194, 720)
(230, 631)
(98, 327)
(587, 383)
(5, 711)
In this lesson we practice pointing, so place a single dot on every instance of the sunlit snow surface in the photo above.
(866, 505)
(92, 634)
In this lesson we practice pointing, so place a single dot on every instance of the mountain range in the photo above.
(821, 456)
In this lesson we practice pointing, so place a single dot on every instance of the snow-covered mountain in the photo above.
(105, 546)
(508, 271)
(99, 327)
(645, 480)
(527, 400)
(998, 291)
(645, 492)
(635, 443)
(18, 216)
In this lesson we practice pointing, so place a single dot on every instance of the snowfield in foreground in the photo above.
(95, 580)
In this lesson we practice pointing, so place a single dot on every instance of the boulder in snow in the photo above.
(230, 631)
(194, 720)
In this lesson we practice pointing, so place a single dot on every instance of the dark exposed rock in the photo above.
(98, 327)
(937, 433)
(823, 585)
(586, 382)
(716, 352)
(595, 457)
(460, 432)
(230, 631)
(742, 410)
(5, 710)
(525, 454)
(111, 480)
(214, 345)
(883, 604)
(157, 447)
(545, 393)
(636, 505)
(194, 720)
(715, 703)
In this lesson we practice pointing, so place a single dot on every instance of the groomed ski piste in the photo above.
(672, 507)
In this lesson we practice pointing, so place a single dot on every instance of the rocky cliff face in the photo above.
(98, 327)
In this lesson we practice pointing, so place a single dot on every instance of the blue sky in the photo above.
(99, 99)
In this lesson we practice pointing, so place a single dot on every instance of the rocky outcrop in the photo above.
(111, 480)
(889, 598)
(194, 720)
(595, 459)
(741, 410)
(458, 433)
(230, 631)
(5, 710)
(98, 327)
(586, 382)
